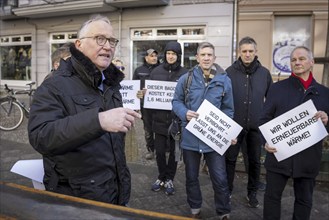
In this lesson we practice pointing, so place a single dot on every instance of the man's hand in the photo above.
(141, 93)
(118, 119)
(234, 141)
(323, 116)
(191, 114)
(270, 149)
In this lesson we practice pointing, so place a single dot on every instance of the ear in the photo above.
(77, 43)
(197, 58)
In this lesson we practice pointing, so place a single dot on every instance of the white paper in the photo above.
(159, 94)
(32, 169)
(129, 89)
(214, 127)
(294, 131)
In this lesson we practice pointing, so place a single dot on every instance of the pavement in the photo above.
(14, 146)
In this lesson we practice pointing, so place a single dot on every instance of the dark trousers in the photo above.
(303, 190)
(167, 169)
(149, 134)
(252, 140)
(217, 173)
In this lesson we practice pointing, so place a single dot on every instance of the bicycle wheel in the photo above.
(11, 115)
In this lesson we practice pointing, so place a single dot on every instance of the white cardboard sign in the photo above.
(129, 89)
(159, 94)
(32, 169)
(214, 127)
(294, 131)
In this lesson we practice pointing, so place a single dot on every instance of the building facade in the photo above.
(32, 29)
(37, 29)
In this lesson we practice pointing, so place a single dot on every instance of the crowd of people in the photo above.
(78, 124)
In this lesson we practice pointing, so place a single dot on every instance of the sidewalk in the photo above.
(14, 147)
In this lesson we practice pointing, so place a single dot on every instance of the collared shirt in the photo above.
(101, 86)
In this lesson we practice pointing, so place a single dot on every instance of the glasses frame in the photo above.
(112, 41)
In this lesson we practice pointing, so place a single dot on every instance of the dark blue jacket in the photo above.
(218, 92)
(282, 97)
(250, 86)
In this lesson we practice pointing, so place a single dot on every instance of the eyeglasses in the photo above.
(101, 40)
(122, 68)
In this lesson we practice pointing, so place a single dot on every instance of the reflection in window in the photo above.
(4, 39)
(143, 33)
(16, 62)
(58, 36)
(167, 32)
(27, 38)
(72, 36)
(193, 31)
(16, 39)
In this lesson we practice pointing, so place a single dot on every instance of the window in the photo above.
(15, 57)
(157, 38)
(59, 39)
(289, 32)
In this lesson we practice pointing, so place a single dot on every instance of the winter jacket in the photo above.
(166, 72)
(250, 86)
(218, 92)
(143, 72)
(64, 127)
(282, 97)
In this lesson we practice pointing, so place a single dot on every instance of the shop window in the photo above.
(59, 39)
(16, 54)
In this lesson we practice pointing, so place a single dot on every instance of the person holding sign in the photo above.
(209, 82)
(304, 166)
(169, 70)
(78, 124)
(250, 83)
(142, 73)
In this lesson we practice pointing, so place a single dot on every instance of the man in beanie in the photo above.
(169, 70)
(142, 73)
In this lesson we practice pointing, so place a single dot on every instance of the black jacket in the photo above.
(166, 72)
(64, 126)
(282, 97)
(250, 86)
(143, 72)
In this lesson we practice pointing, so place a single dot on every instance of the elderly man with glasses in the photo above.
(78, 124)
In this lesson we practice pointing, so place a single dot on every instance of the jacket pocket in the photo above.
(100, 186)
(84, 102)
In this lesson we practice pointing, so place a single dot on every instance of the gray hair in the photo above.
(204, 45)
(93, 18)
(309, 52)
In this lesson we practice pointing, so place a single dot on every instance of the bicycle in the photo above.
(12, 110)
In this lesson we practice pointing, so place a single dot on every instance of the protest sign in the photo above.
(213, 127)
(159, 94)
(294, 131)
(128, 92)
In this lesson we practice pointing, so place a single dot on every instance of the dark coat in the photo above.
(282, 97)
(166, 72)
(250, 86)
(143, 72)
(64, 127)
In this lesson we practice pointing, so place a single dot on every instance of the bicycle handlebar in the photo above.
(21, 92)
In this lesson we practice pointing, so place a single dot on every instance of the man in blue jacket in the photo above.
(210, 82)
(304, 166)
(250, 83)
